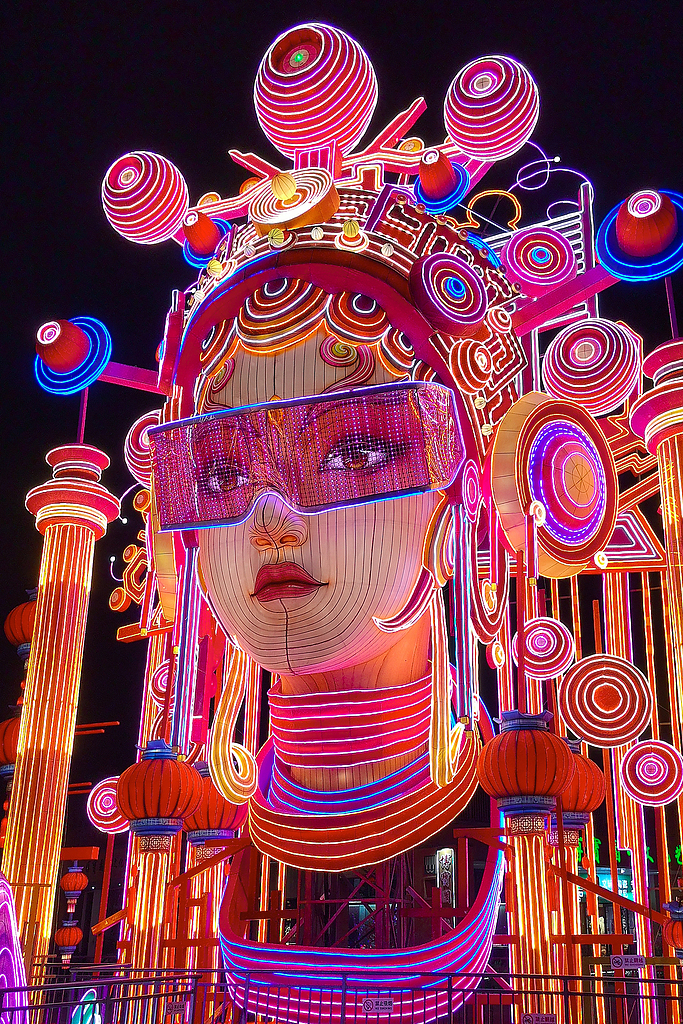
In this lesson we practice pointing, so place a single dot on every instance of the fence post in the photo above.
(245, 1009)
(450, 999)
(565, 998)
(342, 1009)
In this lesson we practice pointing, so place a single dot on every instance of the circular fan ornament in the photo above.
(491, 108)
(605, 700)
(538, 259)
(652, 773)
(103, 809)
(449, 294)
(145, 198)
(548, 648)
(315, 87)
(596, 362)
(295, 199)
(642, 238)
(85, 373)
(553, 456)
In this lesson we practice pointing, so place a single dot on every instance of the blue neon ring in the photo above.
(443, 205)
(480, 244)
(193, 258)
(84, 375)
(628, 268)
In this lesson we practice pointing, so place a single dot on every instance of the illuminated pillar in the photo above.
(72, 511)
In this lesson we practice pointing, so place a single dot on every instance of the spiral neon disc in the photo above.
(538, 259)
(103, 809)
(652, 773)
(548, 648)
(449, 293)
(605, 700)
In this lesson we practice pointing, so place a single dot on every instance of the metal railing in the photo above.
(111, 995)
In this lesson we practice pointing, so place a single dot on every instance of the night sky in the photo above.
(90, 81)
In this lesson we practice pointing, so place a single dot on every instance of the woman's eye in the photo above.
(217, 479)
(357, 454)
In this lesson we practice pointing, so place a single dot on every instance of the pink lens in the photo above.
(318, 453)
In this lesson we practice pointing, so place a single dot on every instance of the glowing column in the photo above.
(658, 418)
(72, 511)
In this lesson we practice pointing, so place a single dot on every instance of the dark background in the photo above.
(90, 81)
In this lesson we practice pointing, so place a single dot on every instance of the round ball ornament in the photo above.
(145, 197)
(315, 87)
(449, 293)
(652, 773)
(491, 108)
(605, 700)
(641, 239)
(596, 362)
(537, 259)
(548, 648)
(103, 810)
(553, 455)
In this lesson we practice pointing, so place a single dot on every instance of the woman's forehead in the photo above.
(305, 368)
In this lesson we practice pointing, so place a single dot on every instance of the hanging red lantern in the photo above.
(159, 791)
(215, 817)
(672, 930)
(583, 795)
(72, 885)
(525, 768)
(9, 739)
(19, 623)
(67, 939)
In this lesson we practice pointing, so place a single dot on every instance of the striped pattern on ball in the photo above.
(605, 700)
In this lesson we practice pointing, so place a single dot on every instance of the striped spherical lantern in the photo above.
(9, 739)
(525, 768)
(157, 793)
(216, 817)
(72, 885)
(67, 939)
(583, 795)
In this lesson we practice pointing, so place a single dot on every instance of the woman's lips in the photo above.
(283, 579)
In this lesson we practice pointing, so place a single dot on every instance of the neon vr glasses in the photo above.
(317, 453)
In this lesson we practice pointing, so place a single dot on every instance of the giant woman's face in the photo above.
(299, 592)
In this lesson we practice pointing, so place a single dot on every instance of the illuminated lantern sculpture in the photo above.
(72, 885)
(155, 794)
(352, 422)
(67, 939)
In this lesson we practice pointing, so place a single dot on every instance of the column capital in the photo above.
(74, 496)
(658, 414)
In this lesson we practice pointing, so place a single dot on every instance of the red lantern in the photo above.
(62, 345)
(215, 814)
(525, 767)
(9, 738)
(159, 791)
(201, 233)
(19, 623)
(72, 885)
(66, 939)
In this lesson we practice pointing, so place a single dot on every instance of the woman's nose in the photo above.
(275, 525)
